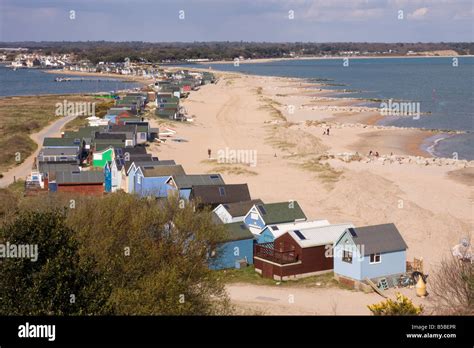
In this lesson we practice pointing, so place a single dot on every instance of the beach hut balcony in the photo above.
(268, 252)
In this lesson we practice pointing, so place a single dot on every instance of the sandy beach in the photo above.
(332, 177)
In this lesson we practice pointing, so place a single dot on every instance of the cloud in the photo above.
(248, 20)
(419, 13)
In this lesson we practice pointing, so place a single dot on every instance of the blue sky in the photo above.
(235, 20)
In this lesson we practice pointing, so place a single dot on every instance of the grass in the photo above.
(311, 123)
(17, 188)
(75, 124)
(272, 107)
(280, 144)
(228, 168)
(21, 116)
(325, 172)
(232, 169)
(229, 80)
(13, 145)
(244, 275)
(248, 275)
(274, 112)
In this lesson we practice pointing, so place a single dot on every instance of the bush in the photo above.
(53, 279)
(453, 287)
(401, 306)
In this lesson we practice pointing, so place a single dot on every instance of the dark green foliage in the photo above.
(154, 253)
(117, 254)
(58, 277)
(97, 51)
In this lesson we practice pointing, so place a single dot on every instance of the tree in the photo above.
(59, 281)
(401, 306)
(154, 253)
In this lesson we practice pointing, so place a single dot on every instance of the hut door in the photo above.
(267, 270)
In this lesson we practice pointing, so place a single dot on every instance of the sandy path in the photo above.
(22, 170)
(293, 300)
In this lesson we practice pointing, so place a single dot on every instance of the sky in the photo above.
(238, 20)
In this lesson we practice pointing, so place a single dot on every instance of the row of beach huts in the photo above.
(277, 238)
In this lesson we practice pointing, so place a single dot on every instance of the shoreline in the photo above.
(421, 148)
(416, 145)
(135, 79)
(269, 60)
(110, 77)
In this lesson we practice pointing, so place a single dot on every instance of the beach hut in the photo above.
(79, 182)
(108, 176)
(262, 215)
(142, 131)
(63, 143)
(271, 232)
(234, 212)
(369, 252)
(298, 253)
(104, 140)
(101, 157)
(184, 183)
(87, 134)
(213, 195)
(130, 168)
(68, 154)
(237, 246)
(154, 181)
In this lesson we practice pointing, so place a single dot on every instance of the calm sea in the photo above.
(36, 81)
(444, 91)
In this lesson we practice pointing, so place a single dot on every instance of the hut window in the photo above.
(347, 256)
(375, 258)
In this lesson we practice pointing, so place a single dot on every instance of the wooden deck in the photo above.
(268, 252)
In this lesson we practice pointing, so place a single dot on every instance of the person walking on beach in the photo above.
(209, 153)
(327, 132)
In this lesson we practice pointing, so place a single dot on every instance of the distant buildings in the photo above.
(36, 60)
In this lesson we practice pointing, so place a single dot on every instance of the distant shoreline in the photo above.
(135, 79)
(269, 60)
(138, 82)
(423, 145)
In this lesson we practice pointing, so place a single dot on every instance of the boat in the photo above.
(62, 79)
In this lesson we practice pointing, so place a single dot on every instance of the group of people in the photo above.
(372, 153)
(326, 132)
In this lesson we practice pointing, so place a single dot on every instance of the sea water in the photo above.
(24, 81)
(442, 87)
